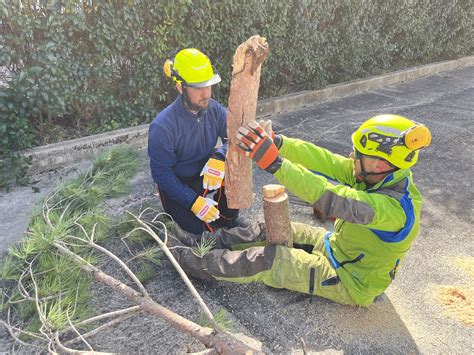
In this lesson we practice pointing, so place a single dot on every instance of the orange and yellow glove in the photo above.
(213, 172)
(204, 209)
(255, 143)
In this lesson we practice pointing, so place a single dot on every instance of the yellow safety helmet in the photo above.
(192, 68)
(393, 138)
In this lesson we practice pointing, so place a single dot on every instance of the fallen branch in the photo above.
(178, 268)
(223, 342)
(67, 228)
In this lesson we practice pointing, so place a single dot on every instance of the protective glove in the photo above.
(255, 143)
(267, 127)
(213, 172)
(204, 209)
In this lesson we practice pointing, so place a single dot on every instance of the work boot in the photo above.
(185, 238)
(252, 233)
(239, 222)
(230, 223)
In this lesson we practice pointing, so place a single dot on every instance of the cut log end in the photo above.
(273, 190)
(276, 214)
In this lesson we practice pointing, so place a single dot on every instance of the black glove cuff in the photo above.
(273, 167)
(278, 141)
(217, 155)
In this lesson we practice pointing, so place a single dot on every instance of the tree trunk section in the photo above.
(277, 216)
(242, 109)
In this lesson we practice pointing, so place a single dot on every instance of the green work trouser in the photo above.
(241, 255)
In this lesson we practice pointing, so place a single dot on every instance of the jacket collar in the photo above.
(391, 179)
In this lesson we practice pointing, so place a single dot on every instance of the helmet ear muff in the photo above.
(170, 72)
(417, 137)
(168, 68)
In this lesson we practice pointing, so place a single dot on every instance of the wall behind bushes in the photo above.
(74, 68)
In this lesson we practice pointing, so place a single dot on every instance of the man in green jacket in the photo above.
(376, 208)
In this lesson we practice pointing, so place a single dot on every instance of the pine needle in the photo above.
(145, 273)
(221, 318)
(55, 287)
(205, 245)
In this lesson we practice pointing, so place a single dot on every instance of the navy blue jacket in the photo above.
(180, 143)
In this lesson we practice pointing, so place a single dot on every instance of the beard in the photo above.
(203, 104)
(196, 106)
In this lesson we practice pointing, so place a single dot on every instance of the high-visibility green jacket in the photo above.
(375, 226)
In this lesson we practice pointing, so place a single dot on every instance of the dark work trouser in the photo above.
(242, 255)
(186, 219)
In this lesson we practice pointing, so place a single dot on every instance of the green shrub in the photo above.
(73, 68)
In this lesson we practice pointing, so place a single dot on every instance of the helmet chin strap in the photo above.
(364, 174)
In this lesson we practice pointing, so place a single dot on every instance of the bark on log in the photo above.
(242, 108)
(277, 216)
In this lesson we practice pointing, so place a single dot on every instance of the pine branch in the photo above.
(50, 291)
(178, 268)
(221, 341)
(118, 260)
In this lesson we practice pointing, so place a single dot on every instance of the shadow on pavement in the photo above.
(285, 320)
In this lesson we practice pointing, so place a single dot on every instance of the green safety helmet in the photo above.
(393, 138)
(192, 68)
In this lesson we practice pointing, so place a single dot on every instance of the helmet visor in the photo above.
(214, 80)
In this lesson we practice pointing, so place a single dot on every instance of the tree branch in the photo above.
(178, 268)
(118, 260)
(222, 341)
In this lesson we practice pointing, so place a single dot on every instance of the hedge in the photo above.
(73, 68)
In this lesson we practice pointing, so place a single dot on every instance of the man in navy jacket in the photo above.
(186, 167)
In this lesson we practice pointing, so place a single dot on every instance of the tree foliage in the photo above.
(34, 270)
(46, 278)
(74, 67)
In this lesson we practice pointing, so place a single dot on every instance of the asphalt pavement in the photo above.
(407, 318)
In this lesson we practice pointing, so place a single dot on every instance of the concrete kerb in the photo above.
(53, 156)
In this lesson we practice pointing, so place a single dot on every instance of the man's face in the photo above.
(199, 97)
(370, 165)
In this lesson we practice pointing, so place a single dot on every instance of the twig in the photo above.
(137, 256)
(78, 333)
(305, 348)
(131, 310)
(37, 300)
(62, 348)
(178, 268)
(11, 328)
(46, 210)
(41, 315)
(162, 213)
(104, 326)
(119, 261)
(126, 246)
(25, 294)
(22, 288)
